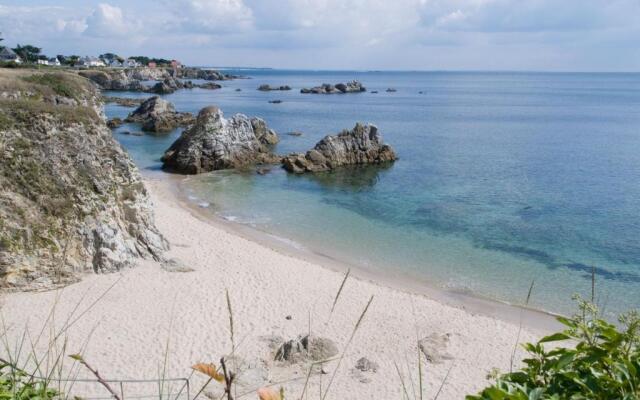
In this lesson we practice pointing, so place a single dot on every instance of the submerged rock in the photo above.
(361, 145)
(215, 142)
(114, 123)
(326, 88)
(158, 115)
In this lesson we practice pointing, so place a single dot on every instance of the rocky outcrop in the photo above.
(327, 88)
(206, 74)
(148, 74)
(361, 145)
(215, 142)
(168, 81)
(123, 101)
(158, 115)
(209, 85)
(170, 85)
(113, 80)
(267, 88)
(71, 199)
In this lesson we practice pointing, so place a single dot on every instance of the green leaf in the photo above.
(554, 338)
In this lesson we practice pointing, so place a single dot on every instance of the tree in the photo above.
(28, 52)
(68, 60)
(108, 57)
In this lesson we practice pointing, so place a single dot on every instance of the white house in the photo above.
(7, 55)
(43, 62)
(54, 61)
(91, 62)
(115, 63)
(131, 63)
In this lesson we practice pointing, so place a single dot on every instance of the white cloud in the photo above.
(339, 33)
(527, 16)
(210, 16)
(108, 21)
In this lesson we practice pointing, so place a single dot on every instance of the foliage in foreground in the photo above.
(17, 384)
(604, 364)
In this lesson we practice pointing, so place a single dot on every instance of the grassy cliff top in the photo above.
(26, 93)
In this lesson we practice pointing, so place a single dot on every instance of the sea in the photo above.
(504, 179)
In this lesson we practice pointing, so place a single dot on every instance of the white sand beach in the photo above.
(273, 293)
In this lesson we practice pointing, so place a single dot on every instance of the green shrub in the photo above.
(604, 364)
(17, 384)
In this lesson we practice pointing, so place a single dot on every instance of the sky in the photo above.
(528, 35)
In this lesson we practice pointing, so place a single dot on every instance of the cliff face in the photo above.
(71, 199)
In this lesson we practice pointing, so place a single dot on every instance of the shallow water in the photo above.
(503, 178)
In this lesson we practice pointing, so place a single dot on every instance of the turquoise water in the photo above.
(503, 178)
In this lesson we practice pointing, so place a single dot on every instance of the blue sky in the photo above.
(549, 35)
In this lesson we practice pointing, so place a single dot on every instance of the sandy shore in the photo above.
(274, 292)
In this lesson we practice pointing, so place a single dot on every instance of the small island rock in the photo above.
(158, 115)
(361, 145)
(327, 88)
(215, 142)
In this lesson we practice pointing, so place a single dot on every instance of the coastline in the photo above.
(139, 318)
(539, 321)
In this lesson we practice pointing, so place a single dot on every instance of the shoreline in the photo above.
(538, 321)
(177, 313)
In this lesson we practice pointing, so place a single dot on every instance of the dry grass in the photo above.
(39, 84)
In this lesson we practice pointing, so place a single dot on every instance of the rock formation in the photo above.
(115, 123)
(113, 80)
(361, 145)
(123, 101)
(306, 348)
(326, 88)
(71, 199)
(267, 88)
(168, 81)
(158, 115)
(214, 142)
(206, 74)
(209, 85)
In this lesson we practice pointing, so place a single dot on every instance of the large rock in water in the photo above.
(158, 115)
(214, 142)
(71, 199)
(327, 88)
(361, 145)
